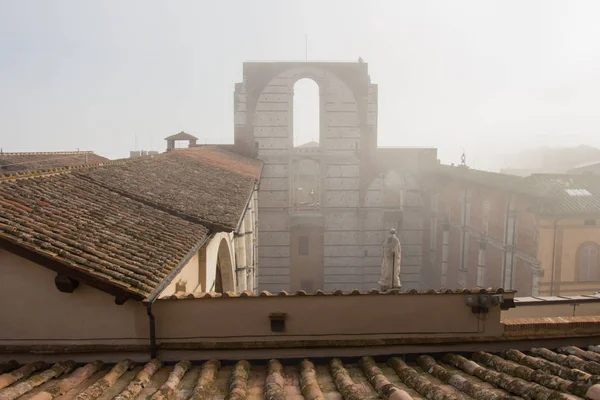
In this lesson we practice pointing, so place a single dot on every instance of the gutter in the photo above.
(148, 301)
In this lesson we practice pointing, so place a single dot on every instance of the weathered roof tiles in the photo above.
(355, 292)
(95, 231)
(209, 185)
(12, 162)
(540, 374)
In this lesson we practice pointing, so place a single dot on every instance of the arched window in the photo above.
(588, 260)
(306, 117)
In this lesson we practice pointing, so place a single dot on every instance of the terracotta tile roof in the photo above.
(95, 231)
(540, 374)
(355, 292)
(206, 184)
(496, 180)
(13, 162)
(219, 156)
(567, 193)
(555, 325)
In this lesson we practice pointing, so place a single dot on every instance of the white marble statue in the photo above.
(390, 263)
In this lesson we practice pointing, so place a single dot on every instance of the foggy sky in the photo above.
(486, 76)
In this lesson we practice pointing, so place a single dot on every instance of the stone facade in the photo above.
(481, 236)
(326, 232)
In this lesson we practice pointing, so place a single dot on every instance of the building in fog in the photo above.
(538, 235)
(326, 207)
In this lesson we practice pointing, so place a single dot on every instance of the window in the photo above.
(588, 263)
(485, 216)
(480, 276)
(306, 114)
(589, 222)
(303, 245)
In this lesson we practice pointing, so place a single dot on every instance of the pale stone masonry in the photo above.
(358, 191)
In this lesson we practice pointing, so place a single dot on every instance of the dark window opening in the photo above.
(303, 245)
(218, 278)
(277, 322)
(589, 222)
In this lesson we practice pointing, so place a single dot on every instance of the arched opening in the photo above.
(392, 190)
(224, 276)
(307, 252)
(588, 263)
(306, 114)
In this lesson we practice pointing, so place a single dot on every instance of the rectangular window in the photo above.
(589, 222)
(480, 276)
(303, 245)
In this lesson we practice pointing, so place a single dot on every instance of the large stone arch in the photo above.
(348, 101)
(273, 105)
(264, 128)
(220, 265)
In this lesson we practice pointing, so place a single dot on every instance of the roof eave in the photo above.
(175, 271)
(64, 269)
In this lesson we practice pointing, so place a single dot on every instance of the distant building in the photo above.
(592, 168)
(181, 136)
(538, 235)
(142, 153)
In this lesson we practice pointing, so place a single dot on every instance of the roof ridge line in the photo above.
(211, 226)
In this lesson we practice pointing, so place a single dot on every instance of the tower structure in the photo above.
(325, 209)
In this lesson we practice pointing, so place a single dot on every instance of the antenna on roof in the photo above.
(463, 159)
(306, 47)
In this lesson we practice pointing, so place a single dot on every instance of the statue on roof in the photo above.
(390, 264)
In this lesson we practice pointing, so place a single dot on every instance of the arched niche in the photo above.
(393, 190)
(306, 184)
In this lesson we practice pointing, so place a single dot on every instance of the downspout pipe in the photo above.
(148, 301)
(152, 322)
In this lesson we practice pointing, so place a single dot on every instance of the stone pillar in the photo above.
(481, 263)
(536, 278)
(170, 144)
(508, 278)
(463, 267)
(241, 279)
(240, 259)
(445, 253)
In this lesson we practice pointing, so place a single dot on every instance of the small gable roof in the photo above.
(181, 136)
